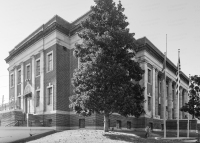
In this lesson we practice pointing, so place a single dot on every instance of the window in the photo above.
(19, 102)
(37, 67)
(19, 76)
(159, 109)
(49, 96)
(118, 124)
(28, 72)
(12, 80)
(38, 98)
(149, 103)
(149, 76)
(128, 124)
(81, 123)
(160, 87)
(49, 62)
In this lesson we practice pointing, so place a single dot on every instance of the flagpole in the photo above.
(164, 116)
(188, 125)
(178, 97)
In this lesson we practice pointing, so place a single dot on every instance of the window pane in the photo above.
(38, 68)
(28, 72)
(38, 99)
(19, 76)
(50, 66)
(12, 80)
(149, 76)
(149, 103)
(49, 96)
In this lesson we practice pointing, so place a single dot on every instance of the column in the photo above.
(42, 80)
(22, 85)
(153, 93)
(15, 100)
(175, 102)
(33, 108)
(185, 101)
(169, 99)
(162, 98)
(156, 92)
(180, 102)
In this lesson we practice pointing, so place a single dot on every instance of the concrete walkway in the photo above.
(12, 134)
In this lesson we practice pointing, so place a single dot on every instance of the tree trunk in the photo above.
(106, 118)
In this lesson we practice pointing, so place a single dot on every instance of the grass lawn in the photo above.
(98, 136)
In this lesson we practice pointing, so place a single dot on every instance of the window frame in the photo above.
(49, 100)
(19, 75)
(149, 103)
(28, 65)
(37, 99)
(47, 62)
(149, 78)
(36, 67)
(12, 80)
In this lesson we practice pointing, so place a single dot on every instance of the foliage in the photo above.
(193, 105)
(107, 80)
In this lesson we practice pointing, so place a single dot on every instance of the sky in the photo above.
(179, 19)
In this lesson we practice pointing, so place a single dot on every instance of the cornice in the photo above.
(145, 44)
(38, 36)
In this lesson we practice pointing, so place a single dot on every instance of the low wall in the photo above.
(172, 125)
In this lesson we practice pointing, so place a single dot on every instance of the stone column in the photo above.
(163, 86)
(15, 99)
(42, 80)
(22, 85)
(169, 99)
(156, 92)
(185, 101)
(175, 102)
(153, 93)
(180, 102)
(33, 108)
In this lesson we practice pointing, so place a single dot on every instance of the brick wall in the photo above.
(50, 77)
(63, 78)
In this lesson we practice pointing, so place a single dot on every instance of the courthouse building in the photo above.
(40, 72)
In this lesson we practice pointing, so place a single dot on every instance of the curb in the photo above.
(34, 137)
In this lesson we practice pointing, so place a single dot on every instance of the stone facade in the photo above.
(42, 65)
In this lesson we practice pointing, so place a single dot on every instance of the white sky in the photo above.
(179, 19)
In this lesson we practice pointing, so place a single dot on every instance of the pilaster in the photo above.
(42, 80)
(145, 85)
(175, 102)
(33, 85)
(22, 85)
(15, 75)
(156, 92)
(163, 107)
(180, 103)
(169, 99)
(153, 92)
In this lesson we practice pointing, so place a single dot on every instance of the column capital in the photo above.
(33, 57)
(41, 51)
(21, 63)
(168, 79)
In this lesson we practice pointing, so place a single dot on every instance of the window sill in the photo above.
(37, 76)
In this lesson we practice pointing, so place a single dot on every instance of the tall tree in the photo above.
(193, 105)
(107, 80)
